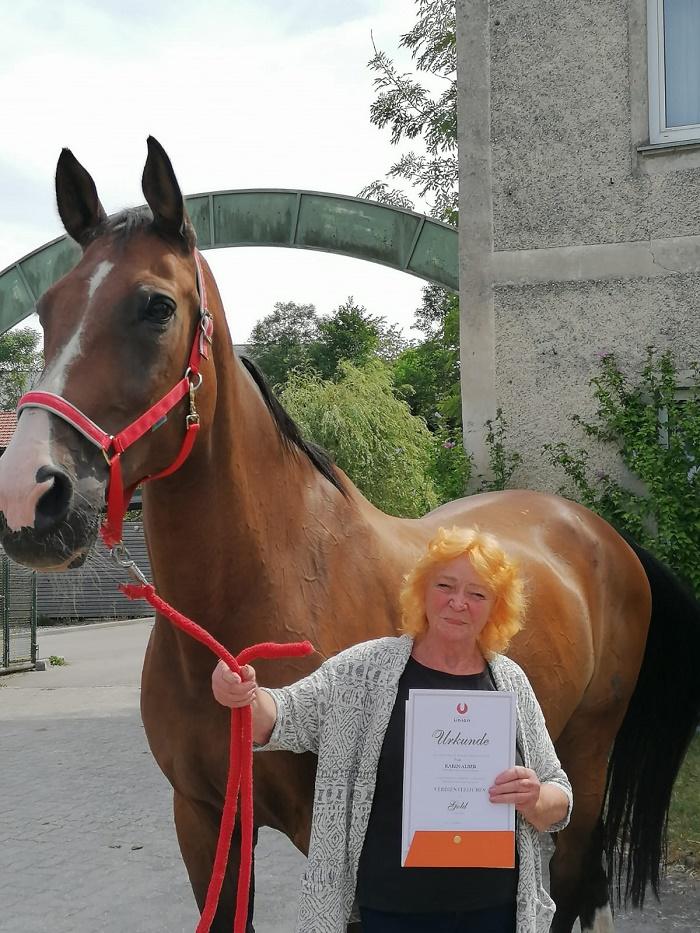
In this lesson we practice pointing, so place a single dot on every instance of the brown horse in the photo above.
(259, 536)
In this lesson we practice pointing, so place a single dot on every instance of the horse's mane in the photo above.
(289, 431)
(127, 222)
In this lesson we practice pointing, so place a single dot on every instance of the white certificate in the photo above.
(456, 743)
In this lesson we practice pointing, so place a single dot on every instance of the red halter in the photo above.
(113, 446)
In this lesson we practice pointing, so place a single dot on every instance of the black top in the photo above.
(382, 884)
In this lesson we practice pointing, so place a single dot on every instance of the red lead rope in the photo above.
(240, 775)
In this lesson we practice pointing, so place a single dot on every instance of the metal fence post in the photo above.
(35, 645)
(5, 614)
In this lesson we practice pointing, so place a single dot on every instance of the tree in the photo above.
(281, 342)
(352, 334)
(371, 434)
(348, 334)
(406, 105)
(294, 338)
(20, 361)
(427, 374)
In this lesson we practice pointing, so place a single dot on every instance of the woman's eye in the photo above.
(159, 309)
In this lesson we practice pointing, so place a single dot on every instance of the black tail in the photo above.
(661, 720)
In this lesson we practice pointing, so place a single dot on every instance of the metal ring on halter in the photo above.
(193, 385)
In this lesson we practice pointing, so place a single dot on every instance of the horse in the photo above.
(258, 536)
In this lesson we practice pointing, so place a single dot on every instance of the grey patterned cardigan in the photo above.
(341, 712)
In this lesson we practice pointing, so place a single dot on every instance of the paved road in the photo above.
(87, 843)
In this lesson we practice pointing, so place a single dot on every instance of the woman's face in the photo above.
(457, 601)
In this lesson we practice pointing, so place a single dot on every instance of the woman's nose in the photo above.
(458, 602)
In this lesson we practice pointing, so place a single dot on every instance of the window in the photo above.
(674, 70)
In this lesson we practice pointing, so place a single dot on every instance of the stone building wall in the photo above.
(594, 235)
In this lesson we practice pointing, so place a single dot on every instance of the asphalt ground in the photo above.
(87, 842)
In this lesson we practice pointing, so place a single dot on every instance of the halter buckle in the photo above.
(193, 417)
(123, 559)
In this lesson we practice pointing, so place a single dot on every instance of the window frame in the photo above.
(658, 131)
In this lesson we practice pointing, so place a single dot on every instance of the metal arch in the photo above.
(331, 223)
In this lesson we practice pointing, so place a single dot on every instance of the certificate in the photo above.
(456, 743)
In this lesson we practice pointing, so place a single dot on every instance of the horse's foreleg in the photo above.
(197, 826)
(578, 882)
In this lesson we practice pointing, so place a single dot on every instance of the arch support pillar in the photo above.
(477, 326)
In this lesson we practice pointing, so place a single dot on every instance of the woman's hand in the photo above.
(229, 689)
(232, 691)
(519, 786)
(542, 805)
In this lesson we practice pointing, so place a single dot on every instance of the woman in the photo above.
(462, 603)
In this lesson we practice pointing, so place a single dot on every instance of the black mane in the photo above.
(289, 432)
(127, 222)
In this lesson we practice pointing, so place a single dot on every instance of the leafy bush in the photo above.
(451, 466)
(371, 434)
(658, 437)
(503, 462)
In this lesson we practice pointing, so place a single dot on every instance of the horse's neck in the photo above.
(233, 529)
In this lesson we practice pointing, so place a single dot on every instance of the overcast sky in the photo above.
(267, 93)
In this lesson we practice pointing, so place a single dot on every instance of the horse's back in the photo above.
(588, 597)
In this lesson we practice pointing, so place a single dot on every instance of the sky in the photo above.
(263, 94)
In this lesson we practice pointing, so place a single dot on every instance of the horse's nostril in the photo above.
(53, 505)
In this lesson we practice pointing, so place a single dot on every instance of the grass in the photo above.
(684, 815)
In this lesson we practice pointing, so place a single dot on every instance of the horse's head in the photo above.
(119, 331)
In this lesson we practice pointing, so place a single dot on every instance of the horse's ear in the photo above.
(76, 198)
(164, 197)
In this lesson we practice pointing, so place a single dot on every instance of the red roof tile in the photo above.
(8, 423)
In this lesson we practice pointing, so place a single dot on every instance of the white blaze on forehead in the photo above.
(98, 277)
(55, 375)
(28, 450)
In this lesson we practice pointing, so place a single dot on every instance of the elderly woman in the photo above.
(462, 603)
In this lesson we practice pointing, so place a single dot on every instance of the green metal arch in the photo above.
(331, 223)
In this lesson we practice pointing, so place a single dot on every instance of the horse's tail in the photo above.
(660, 722)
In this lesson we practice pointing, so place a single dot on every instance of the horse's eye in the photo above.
(159, 309)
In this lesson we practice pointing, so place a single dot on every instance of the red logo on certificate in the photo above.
(462, 708)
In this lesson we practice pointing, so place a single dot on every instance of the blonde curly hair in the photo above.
(499, 572)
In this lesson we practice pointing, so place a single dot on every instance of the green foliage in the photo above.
(294, 338)
(55, 660)
(405, 104)
(280, 343)
(503, 462)
(427, 375)
(348, 335)
(451, 466)
(684, 813)
(20, 360)
(370, 433)
(658, 436)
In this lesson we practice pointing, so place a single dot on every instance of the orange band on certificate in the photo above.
(470, 849)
